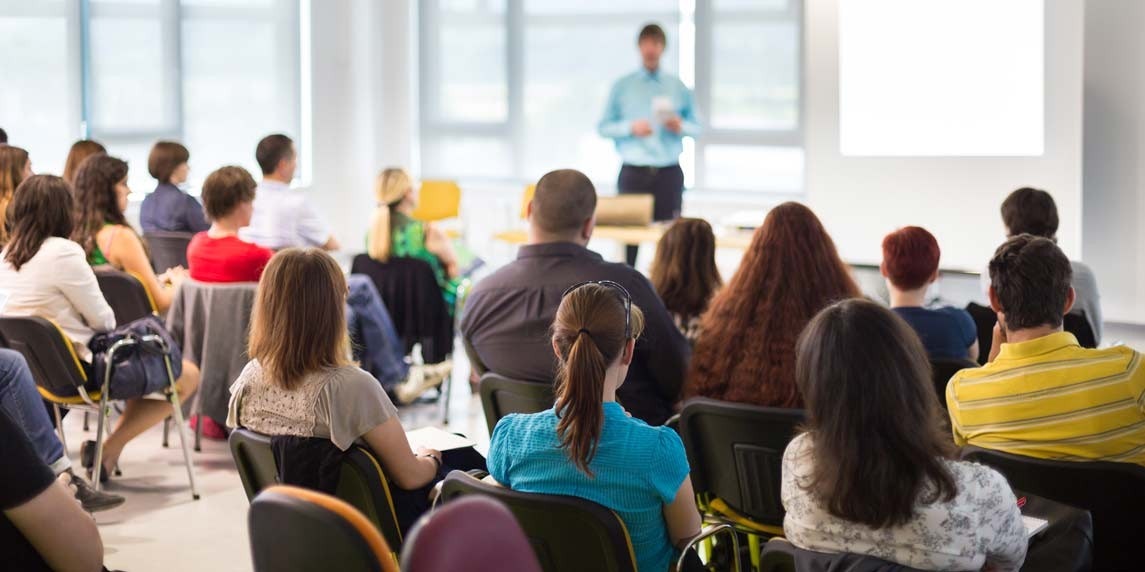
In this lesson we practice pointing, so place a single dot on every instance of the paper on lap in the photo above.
(1034, 525)
(436, 438)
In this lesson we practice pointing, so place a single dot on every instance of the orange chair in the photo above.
(527, 198)
(438, 200)
(306, 531)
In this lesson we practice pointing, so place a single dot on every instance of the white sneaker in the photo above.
(421, 379)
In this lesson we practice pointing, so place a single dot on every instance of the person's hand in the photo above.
(427, 452)
(999, 339)
(641, 128)
(674, 124)
(173, 276)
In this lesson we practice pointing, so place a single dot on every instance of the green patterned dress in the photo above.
(408, 240)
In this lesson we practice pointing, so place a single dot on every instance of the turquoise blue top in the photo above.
(637, 469)
(631, 99)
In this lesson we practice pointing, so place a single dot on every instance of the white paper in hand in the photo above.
(1034, 525)
(435, 438)
(662, 109)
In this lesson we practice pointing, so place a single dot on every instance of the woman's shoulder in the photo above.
(975, 480)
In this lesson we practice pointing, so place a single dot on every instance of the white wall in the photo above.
(1113, 201)
(956, 198)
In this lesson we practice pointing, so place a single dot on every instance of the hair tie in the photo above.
(583, 331)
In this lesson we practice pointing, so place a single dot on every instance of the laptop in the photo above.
(624, 210)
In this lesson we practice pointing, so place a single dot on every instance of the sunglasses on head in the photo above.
(624, 297)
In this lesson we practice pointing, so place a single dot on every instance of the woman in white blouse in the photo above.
(874, 472)
(45, 274)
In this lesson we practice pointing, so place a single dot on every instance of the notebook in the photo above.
(1034, 525)
(435, 438)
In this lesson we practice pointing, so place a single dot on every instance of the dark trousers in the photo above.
(665, 184)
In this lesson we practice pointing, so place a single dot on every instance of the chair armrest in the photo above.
(711, 531)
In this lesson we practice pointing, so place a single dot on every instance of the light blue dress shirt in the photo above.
(631, 99)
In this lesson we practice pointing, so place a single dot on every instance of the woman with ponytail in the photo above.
(587, 445)
(394, 232)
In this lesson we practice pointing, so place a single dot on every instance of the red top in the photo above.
(226, 259)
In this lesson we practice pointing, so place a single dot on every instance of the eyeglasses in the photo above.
(624, 297)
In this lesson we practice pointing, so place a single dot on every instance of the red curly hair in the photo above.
(790, 272)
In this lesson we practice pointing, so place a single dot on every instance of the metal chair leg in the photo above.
(197, 409)
(181, 425)
(60, 427)
(86, 425)
(166, 431)
(447, 390)
(97, 468)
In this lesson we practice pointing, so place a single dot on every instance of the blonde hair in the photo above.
(298, 325)
(390, 188)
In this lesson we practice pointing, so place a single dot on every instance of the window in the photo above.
(513, 88)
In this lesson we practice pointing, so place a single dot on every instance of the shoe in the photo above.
(91, 499)
(87, 459)
(421, 379)
(211, 429)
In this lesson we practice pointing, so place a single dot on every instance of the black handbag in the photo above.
(139, 367)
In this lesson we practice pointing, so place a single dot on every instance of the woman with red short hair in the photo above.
(910, 265)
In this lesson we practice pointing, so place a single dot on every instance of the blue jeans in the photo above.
(22, 403)
(377, 347)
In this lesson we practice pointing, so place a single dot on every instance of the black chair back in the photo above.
(1076, 323)
(501, 396)
(125, 294)
(736, 453)
(363, 484)
(255, 460)
(1114, 493)
(943, 369)
(167, 249)
(413, 298)
(50, 355)
(567, 533)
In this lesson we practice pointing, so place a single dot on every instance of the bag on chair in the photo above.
(140, 368)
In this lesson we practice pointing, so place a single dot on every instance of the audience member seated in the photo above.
(1041, 394)
(283, 218)
(587, 445)
(910, 265)
(300, 380)
(874, 473)
(1033, 211)
(46, 275)
(789, 273)
(15, 166)
(41, 527)
(394, 232)
(219, 255)
(80, 151)
(102, 230)
(684, 273)
(20, 400)
(167, 208)
(508, 314)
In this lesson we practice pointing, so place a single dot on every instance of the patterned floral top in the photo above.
(982, 524)
(408, 240)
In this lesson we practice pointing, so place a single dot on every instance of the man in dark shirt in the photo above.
(508, 315)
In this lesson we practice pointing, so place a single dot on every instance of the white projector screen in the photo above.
(941, 78)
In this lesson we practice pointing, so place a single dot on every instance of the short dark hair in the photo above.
(563, 200)
(3, 136)
(42, 208)
(1030, 211)
(652, 32)
(910, 257)
(165, 157)
(1031, 278)
(271, 151)
(225, 189)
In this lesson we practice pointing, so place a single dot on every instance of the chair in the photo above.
(254, 460)
(530, 191)
(943, 369)
(568, 533)
(779, 555)
(736, 453)
(1114, 493)
(306, 531)
(470, 533)
(1075, 323)
(126, 295)
(438, 200)
(167, 249)
(63, 382)
(501, 396)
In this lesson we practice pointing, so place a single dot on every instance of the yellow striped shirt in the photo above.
(1052, 399)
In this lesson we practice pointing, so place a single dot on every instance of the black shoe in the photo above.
(91, 499)
(87, 459)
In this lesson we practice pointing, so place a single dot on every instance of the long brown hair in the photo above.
(298, 325)
(588, 333)
(80, 150)
(42, 209)
(96, 201)
(789, 273)
(12, 163)
(872, 415)
(684, 271)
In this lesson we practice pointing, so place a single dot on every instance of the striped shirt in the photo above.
(1052, 399)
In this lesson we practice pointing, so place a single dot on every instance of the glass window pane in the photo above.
(755, 75)
(651, 7)
(471, 76)
(135, 153)
(127, 74)
(452, 156)
(750, 5)
(754, 168)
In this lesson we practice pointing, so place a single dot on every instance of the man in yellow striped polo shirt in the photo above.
(1041, 394)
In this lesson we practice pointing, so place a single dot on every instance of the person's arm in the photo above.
(682, 516)
(64, 535)
(662, 348)
(194, 216)
(613, 125)
(76, 280)
(406, 470)
(972, 351)
(689, 123)
(439, 244)
(128, 254)
(1007, 547)
(312, 229)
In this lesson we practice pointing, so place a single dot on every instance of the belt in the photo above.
(649, 168)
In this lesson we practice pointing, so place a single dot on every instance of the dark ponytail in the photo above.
(589, 335)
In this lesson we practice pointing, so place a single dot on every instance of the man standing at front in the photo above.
(649, 113)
